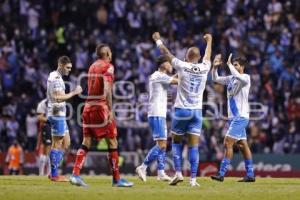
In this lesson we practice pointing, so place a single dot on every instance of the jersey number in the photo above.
(195, 85)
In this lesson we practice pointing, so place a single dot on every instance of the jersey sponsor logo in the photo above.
(195, 70)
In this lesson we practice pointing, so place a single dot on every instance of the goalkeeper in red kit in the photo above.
(98, 118)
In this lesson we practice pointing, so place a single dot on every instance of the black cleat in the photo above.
(247, 179)
(217, 177)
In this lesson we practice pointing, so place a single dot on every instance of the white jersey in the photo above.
(238, 87)
(55, 83)
(191, 83)
(42, 107)
(158, 98)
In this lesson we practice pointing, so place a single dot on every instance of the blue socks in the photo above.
(156, 153)
(224, 166)
(177, 156)
(56, 157)
(194, 160)
(161, 160)
(249, 167)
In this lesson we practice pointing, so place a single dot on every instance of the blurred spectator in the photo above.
(31, 130)
(15, 158)
(33, 34)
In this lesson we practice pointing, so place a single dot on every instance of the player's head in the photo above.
(103, 52)
(193, 55)
(239, 63)
(164, 64)
(64, 65)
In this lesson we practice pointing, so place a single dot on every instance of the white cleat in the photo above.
(176, 179)
(164, 177)
(193, 183)
(141, 173)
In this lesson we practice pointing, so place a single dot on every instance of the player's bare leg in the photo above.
(228, 144)
(79, 161)
(177, 158)
(246, 152)
(113, 159)
(193, 142)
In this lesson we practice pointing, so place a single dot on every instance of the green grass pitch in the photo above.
(40, 188)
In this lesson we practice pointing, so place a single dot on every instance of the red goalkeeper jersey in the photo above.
(99, 72)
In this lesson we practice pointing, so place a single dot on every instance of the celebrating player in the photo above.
(238, 86)
(44, 138)
(56, 114)
(187, 117)
(158, 86)
(98, 118)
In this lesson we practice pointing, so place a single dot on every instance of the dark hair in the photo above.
(161, 59)
(99, 52)
(63, 60)
(242, 61)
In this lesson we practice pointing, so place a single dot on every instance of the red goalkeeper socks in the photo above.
(80, 158)
(113, 159)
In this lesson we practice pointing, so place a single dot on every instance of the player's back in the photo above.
(99, 72)
(192, 80)
(158, 86)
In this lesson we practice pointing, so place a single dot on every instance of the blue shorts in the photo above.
(158, 127)
(187, 121)
(58, 126)
(237, 128)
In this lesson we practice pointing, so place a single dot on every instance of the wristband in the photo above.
(158, 43)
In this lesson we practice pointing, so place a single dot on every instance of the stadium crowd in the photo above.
(34, 33)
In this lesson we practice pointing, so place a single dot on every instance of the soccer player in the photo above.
(238, 86)
(56, 114)
(187, 116)
(158, 99)
(98, 117)
(44, 138)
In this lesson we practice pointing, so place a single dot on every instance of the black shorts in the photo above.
(46, 134)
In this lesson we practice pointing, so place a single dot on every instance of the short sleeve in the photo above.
(178, 64)
(164, 78)
(109, 74)
(41, 108)
(56, 86)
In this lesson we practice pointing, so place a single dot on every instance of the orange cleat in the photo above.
(58, 178)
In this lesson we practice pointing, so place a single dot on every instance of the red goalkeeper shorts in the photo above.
(95, 124)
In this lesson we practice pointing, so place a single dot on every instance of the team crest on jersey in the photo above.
(110, 69)
(196, 69)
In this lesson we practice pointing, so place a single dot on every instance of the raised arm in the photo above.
(215, 77)
(234, 71)
(208, 39)
(163, 49)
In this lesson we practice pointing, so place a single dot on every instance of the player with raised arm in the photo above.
(238, 86)
(159, 82)
(56, 114)
(44, 138)
(187, 116)
(98, 117)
